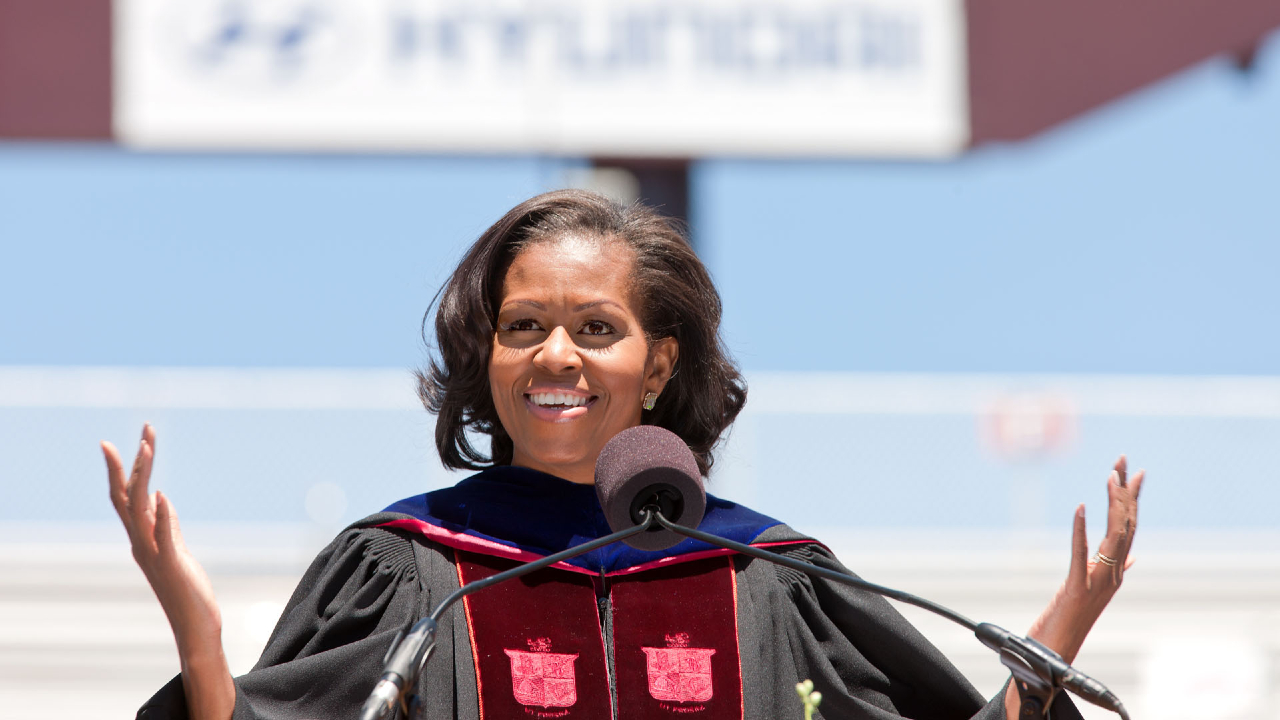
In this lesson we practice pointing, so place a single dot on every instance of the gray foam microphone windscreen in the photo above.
(646, 465)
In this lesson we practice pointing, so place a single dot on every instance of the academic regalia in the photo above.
(693, 631)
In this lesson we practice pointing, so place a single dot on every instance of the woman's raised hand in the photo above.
(179, 582)
(1093, 580)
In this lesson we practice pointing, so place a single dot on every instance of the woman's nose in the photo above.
(558, 353)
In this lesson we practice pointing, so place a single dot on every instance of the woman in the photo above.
(568, 321)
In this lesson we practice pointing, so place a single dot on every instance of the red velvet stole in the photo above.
(539, 650)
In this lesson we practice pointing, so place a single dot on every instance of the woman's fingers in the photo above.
(1122, 521)
(147, 455)
(129, 494)
(1114, 547)
(1120, 501)
(140, 505)
(116, 481)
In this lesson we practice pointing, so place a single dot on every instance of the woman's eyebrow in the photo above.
(576, 308)
(595, 303)
(530, 303)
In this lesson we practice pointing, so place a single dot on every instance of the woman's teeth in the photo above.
(554, 399)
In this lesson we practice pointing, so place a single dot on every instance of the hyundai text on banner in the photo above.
(645, 78)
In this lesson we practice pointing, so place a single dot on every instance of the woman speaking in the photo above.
(570, 320)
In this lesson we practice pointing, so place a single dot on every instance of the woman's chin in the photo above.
(565, 463)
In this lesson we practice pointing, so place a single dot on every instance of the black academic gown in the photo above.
(391, 568)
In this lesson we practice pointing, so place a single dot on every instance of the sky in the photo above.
(1138, 239)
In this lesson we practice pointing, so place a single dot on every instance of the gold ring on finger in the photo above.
(1099, 557)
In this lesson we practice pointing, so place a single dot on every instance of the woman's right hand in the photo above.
(181, 585)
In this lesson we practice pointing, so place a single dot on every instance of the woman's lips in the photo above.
(557, 413)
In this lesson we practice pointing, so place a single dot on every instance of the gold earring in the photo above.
(649, 400)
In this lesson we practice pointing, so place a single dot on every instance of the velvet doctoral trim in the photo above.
(524, 514)
(540, 652)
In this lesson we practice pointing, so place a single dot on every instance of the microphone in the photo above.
(409, 650)
(648, 466)
(1033, 663)
(648, 473)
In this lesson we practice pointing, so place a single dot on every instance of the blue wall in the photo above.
(1138, 239)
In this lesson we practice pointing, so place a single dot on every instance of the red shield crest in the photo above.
(679, 674)
(543, 678)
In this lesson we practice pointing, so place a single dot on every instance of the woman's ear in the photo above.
(662, 364)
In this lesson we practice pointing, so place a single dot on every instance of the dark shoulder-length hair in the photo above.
(674, 295)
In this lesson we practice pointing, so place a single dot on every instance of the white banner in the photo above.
(581, 77)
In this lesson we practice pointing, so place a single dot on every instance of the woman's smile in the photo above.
(558, 404)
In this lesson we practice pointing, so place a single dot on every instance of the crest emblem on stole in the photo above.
(541, 677)
(679, 673)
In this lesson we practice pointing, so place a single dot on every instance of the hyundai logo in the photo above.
(264, 44)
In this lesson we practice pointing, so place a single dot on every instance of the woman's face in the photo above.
(570, 363)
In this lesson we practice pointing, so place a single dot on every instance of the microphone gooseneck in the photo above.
(821, 572)
(648, 468)
(1028, 660)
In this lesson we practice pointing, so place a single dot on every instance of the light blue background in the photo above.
(1140, 239)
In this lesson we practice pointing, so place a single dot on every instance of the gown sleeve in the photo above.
(325, 654)
(868, 661)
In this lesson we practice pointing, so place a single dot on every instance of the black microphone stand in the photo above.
(411, 647)
(1038, 672)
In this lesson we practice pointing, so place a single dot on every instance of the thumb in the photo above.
(1078, 572)
(168, 534)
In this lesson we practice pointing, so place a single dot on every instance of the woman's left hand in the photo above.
(1092, 581)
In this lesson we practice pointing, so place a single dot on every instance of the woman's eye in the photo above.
(597, 327)
(523, 325)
